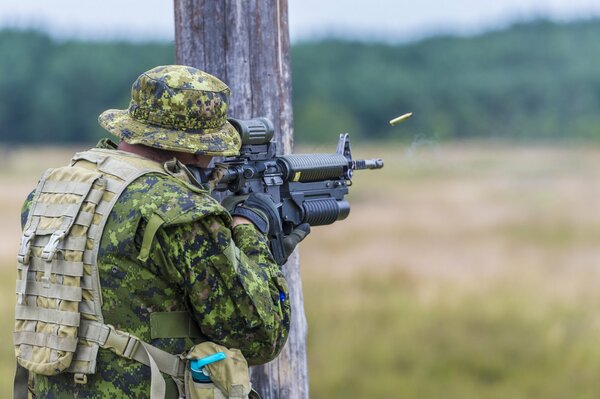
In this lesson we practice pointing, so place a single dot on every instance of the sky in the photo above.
(389, 20)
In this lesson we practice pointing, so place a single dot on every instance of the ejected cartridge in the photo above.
(400, 119)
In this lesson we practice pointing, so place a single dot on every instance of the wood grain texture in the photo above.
(246, 44)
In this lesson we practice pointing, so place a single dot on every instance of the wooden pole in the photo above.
(245, 43)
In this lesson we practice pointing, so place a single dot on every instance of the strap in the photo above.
(55, 210)
(88, 257)
(57, 291)
(61, 266)
(113, 185)
(25, 245)
(85, 352)
(84, 218)
(20, 382)
(23, 258)
(87, 307)
(87, 283)
(131, 347)
(158, 386)
(151, 228)
(233, 254)
(173, 325)
(52, 246)
(95, 196)
(33, 221)
(180, 387)
(104, 208)
(47, 315)
(67, 344)
(93, 231)
(84, 360)
(123, 170)
(105, 162)
(61, 187)
(71, 243)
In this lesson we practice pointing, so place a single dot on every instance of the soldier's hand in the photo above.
(232, 201)
(260, 209)
(295, 237)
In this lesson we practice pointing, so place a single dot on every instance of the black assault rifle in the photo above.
(307, 188)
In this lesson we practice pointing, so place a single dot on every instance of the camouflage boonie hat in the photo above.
(176, 108)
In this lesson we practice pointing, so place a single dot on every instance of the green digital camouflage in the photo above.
(225, 279)
(176, 108)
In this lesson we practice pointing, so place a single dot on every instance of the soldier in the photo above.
(126, 260)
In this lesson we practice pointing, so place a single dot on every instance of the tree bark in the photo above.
(245, 43)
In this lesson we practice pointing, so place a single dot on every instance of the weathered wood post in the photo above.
(246, 44)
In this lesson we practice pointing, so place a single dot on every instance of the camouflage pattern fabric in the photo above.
(240, 303)
(176, 108)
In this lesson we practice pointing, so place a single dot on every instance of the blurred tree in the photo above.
(532, 81)
(53, 91)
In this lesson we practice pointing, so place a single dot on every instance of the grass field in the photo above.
(464, 271)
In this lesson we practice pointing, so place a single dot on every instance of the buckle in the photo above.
(80, 378)
(21, 299)
(25, 247)
(182, 361)
(52, 246)
(121, 342)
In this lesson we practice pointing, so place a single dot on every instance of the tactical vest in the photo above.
(59, 324)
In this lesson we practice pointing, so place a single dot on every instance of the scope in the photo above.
(254, 131)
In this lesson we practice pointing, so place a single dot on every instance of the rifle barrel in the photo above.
(374, 163)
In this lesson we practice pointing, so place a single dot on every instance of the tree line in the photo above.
(535, 80)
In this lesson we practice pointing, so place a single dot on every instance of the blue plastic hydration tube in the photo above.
(199, 373)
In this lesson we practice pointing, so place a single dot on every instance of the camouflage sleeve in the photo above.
(26, 208)
(237, 292)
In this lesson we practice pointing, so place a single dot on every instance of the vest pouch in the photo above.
(203, 390)
(51, 269)
(230, 377)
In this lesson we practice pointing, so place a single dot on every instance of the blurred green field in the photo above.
(463, 271)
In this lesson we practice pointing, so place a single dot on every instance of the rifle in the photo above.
(307, 188)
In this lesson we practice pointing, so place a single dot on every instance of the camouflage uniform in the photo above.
(240, 303)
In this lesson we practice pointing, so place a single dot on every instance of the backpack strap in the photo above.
(131, 347)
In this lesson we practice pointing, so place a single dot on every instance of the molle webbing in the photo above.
(58, 285)
(51, 270)
(59, 323)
